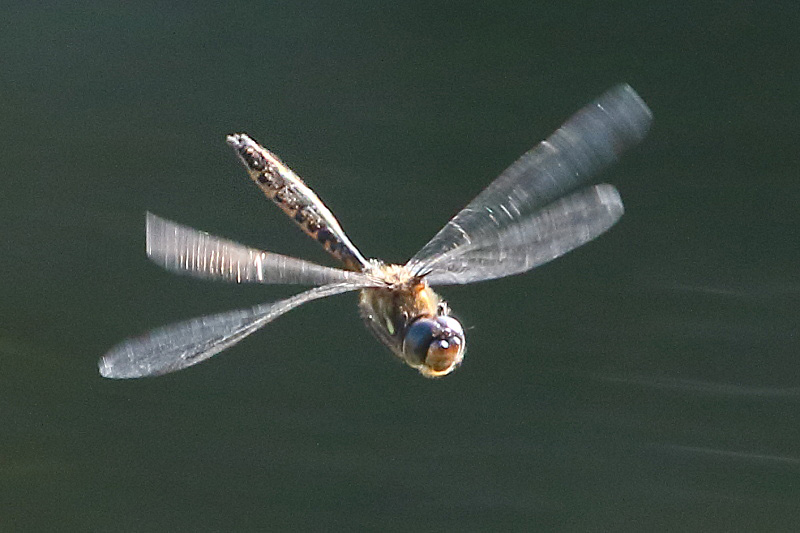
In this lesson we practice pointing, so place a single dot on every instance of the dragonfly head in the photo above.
(434, 345)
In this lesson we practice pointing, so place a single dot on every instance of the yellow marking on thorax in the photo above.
(405, 293)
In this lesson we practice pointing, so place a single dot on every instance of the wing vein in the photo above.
(529, 205)
(185, 250)
(184, 344)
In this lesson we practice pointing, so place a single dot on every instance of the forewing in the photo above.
(550, 233)
(586, 144)
(184, 344)
(185, 250)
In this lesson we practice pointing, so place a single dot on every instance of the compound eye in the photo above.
(444, 354)
(419, 335)
(434, 345)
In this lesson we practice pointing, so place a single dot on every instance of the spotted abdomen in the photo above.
(288, 191)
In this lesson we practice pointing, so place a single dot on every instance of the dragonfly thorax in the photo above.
(411, 319)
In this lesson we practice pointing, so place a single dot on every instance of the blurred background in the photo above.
(647, 381)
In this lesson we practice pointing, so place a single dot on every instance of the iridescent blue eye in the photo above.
(434, 344)
(418, 337)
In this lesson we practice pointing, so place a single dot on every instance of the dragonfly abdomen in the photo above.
(294, 198)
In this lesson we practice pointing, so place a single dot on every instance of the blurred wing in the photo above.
(184, 344)
(185, 250)
(550, 233)
(586, 144)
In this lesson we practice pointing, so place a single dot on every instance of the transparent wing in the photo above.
(587, 143)
(184, 344)
(186, 250)
(550, 233)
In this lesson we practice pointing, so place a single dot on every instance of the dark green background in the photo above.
(648, 381)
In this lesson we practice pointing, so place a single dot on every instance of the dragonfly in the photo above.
(538, 209)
